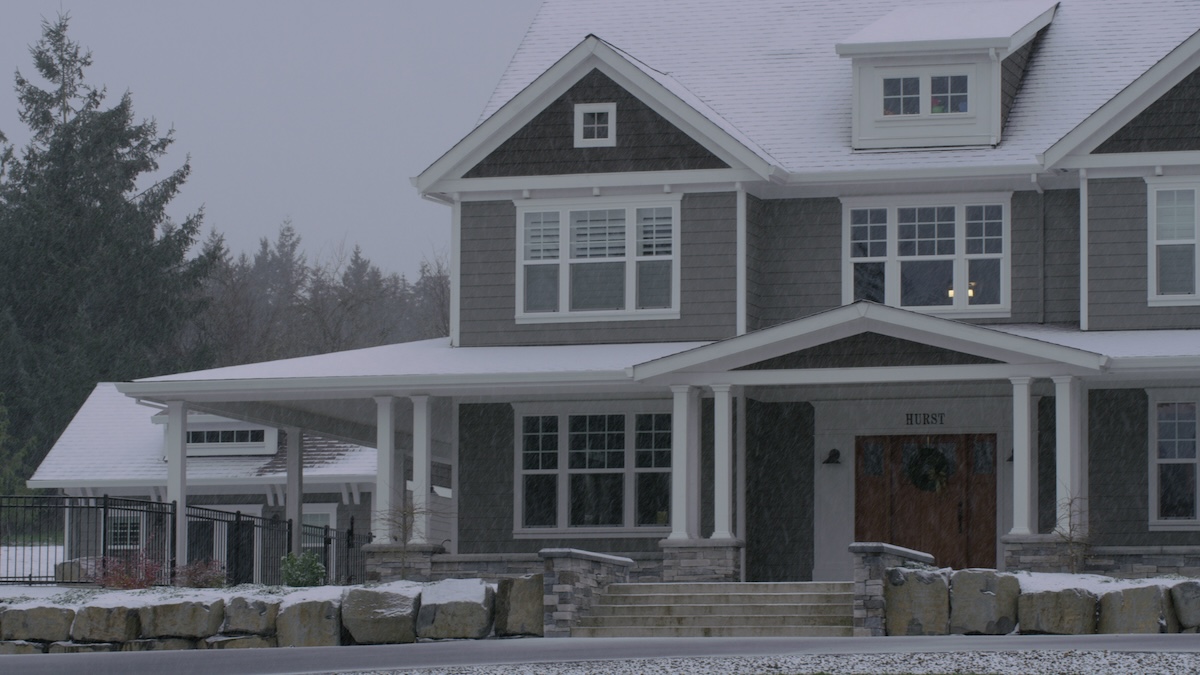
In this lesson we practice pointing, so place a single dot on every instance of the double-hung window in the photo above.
(593, 472)
(1174, 228)
(598, 260)
(1173, 459)
(936, 254)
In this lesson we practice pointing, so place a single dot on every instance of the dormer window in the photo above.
(933, 75)
(213, 436)
(595, 125)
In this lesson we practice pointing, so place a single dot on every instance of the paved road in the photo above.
(482, 652)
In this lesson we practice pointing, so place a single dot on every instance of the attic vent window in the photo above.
(595, 125)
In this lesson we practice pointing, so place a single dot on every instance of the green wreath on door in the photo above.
(928, 469)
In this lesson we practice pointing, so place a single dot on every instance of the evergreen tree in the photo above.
(96, 282)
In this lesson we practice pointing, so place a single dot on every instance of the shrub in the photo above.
(136, 570)
(201, 574)
(305, 569)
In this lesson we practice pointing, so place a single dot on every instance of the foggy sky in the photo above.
(312, 111)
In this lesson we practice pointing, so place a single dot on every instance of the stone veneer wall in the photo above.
(692, 560)
(1050, 553)
(871, 560)
(572, 579)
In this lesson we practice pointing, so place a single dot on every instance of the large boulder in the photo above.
(456, 608)
(105, 623)
(254, 616)
(1185, 596)
(311, 618)
(520, 606)
(185, 618)
(382, 615)
(983, 602)
(1145, 609)
(46, 624)
(1071, 611)
(917, 602)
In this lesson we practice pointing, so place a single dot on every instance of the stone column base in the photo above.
(689, 560)
(1043, 553)
(394, 561)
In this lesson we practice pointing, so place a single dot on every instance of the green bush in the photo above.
(305, 569)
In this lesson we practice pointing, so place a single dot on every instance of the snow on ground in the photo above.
(22, 561)
(1033, 582)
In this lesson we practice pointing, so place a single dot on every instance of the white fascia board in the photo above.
(1132, 160)
(908, 174)
(866, 317)
(249, 482)
(1127, 104)
(1175, 366)
(675, 179)
(923, 47)
(873, 375)
(591, 53)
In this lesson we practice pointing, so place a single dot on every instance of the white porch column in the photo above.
(1024, 478)
(1068, 456)
(389, 470)
(723, 462)
(294, 500)
(422, 469)
(685, 445)
(177, 473)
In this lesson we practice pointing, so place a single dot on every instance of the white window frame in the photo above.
(564, 207)
(960, 307)
(120, 516)
(1156, 397)
(630, 471)
(925, 77)
(1153, 187)
(583, 108)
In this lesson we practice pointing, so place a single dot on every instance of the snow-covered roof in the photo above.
(112, 441)
(769, 70)
(1116, 344)
(961, 24)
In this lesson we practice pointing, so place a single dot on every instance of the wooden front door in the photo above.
(935, 494)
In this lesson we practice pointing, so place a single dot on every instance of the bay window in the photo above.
(598, 260)
(933, 254)
(1173, 254)
(588, 473)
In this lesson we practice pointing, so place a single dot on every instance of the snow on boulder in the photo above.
(983, 602)
(311, 618)
(1069, 611)
(47, 624)
(1145, 609)
(384, 614)
(1186, 598)
(198, 618)
(520, 606)
(250, 615)
(21, 647)
(456, 608)
(917, 601)
(237, 642)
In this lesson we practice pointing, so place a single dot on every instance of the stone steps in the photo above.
(771, 609)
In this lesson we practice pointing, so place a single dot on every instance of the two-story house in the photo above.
(735, 285)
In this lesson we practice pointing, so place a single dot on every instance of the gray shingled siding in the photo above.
(485, 490)
(795, 267)
(644, 140)
(708, 273)
(1012, 73)
(868, 350)
(1047, 469)
(1118, 275)
(1170, 124)
(779, 491)
(1117, 475)
(755, 213)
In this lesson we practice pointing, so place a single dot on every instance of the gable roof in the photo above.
(770, 71)
(657, 89)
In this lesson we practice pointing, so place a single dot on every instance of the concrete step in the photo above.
(748, 598)
(734, 587)
(799, 609)
(713, 631)
(775, 620)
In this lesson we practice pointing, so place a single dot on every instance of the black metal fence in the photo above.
(53, 539)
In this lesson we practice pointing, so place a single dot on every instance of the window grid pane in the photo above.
(654, 230)
(925, 231)
(595, 125)
(541, 236)
(1175, 215)
(597, 500)
(868, 233)
(598, 233)
(596, 441)
(652, 441)
(948, 94)
(902, 96)
(985, 229)
(1176, 273)
(540, 442)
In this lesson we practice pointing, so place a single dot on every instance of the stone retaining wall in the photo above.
(572, 578)
(871, 562)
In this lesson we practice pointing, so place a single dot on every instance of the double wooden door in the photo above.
(931, 493)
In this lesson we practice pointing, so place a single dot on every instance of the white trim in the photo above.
(456, 273)
(1130, 160)
(610, 127)
(960, 307)
(742, 253)
(693, 180)
(1153, 187)
(565, 262)
(1084, 274)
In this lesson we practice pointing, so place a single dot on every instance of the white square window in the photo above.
(595, 125)
(619, 260)
(936, 254)
(1173, 253)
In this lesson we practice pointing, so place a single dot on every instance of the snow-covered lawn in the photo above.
(22, 561)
